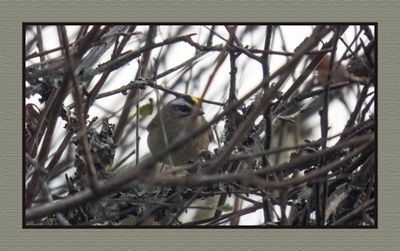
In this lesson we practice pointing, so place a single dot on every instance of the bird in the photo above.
(174, 119)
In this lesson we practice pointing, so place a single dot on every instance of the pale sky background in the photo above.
(247, 78)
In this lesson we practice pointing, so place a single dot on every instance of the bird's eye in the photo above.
(184, 109)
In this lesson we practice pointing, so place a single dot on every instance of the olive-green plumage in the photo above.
(177, 117)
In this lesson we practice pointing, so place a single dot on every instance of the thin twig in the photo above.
(79, 111)
(354, 213)
(267, 115)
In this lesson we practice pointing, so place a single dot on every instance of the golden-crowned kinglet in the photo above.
(173, 119)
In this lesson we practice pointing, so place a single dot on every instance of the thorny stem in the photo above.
(267, 115)
(79, 111)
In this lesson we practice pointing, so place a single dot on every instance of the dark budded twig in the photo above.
(80, 114)
(231, 117)
(267, 116)
(320, 200)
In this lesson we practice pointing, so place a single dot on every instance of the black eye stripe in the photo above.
(183, 108)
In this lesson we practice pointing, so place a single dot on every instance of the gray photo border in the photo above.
(13, 237)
